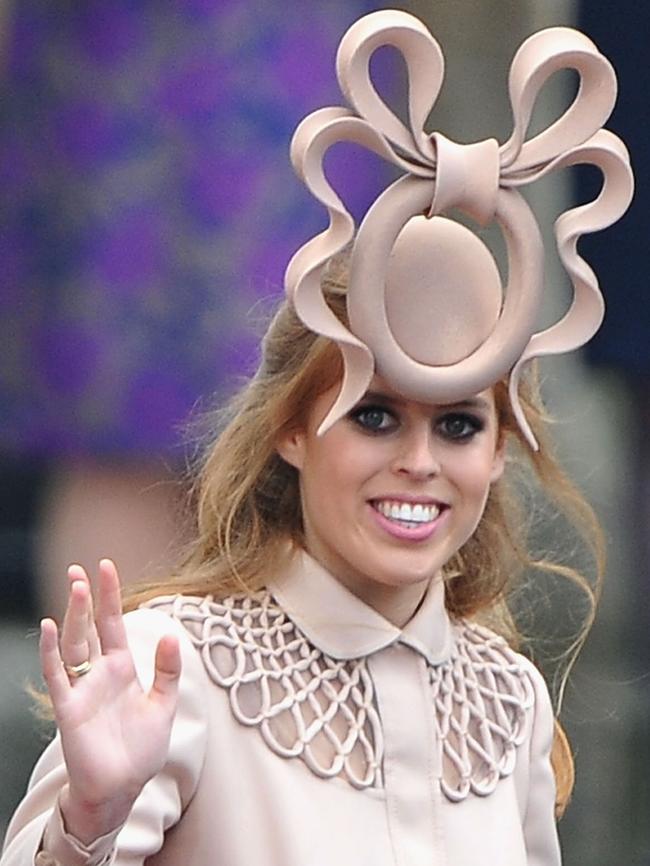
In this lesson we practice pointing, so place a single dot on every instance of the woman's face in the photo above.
(395, 488)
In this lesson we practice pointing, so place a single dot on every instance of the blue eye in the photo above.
(373, 419)
(459, 426)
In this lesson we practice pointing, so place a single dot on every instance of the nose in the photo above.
(416, 455)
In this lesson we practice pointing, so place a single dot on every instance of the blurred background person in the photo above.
(620, 360)
(146, 210)
(622, 346)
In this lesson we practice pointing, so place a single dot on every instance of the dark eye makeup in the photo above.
(374, 418)
(459, 426)
(453, 426)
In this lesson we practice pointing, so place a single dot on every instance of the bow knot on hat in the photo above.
(426, 305)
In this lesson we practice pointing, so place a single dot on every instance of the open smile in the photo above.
(415, 521)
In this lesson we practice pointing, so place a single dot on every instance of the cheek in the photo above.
(474, 477)
(341, 459)
(328, 473)
(475, 487)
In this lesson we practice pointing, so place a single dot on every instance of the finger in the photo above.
(76, 572)
(54, 674)
(110, 625)
(74, 634)
(94, 645)
(167, 672)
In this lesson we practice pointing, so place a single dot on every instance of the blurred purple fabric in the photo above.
(148, 204)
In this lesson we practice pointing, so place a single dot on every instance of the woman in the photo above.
(387, 452)
(323, 690)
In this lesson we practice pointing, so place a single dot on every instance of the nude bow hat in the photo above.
(426, 306)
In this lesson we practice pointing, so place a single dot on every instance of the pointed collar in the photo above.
(344, 627)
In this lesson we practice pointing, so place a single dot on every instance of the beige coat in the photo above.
(312, 732)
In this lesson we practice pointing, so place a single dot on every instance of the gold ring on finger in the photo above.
(76, 671)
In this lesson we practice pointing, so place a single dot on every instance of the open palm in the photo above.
(115, 736)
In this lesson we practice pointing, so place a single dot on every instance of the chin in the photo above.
(402, 570)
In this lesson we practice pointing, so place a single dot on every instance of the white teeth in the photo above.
(407, 513)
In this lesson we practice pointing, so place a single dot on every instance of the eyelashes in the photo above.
(374, 419)
(453, 426)
(460, 426)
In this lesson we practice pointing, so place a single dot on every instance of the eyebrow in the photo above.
(472, 403)
(477, 403)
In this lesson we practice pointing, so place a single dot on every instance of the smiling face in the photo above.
(394, 489)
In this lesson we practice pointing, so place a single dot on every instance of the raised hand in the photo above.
(115, 736)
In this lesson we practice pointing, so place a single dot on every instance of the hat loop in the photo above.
(367, 308)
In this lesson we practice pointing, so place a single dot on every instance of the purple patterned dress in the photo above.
(148, 205)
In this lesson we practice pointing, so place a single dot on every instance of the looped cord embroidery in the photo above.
(309, 706)
(481, 698)
(304, 703)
